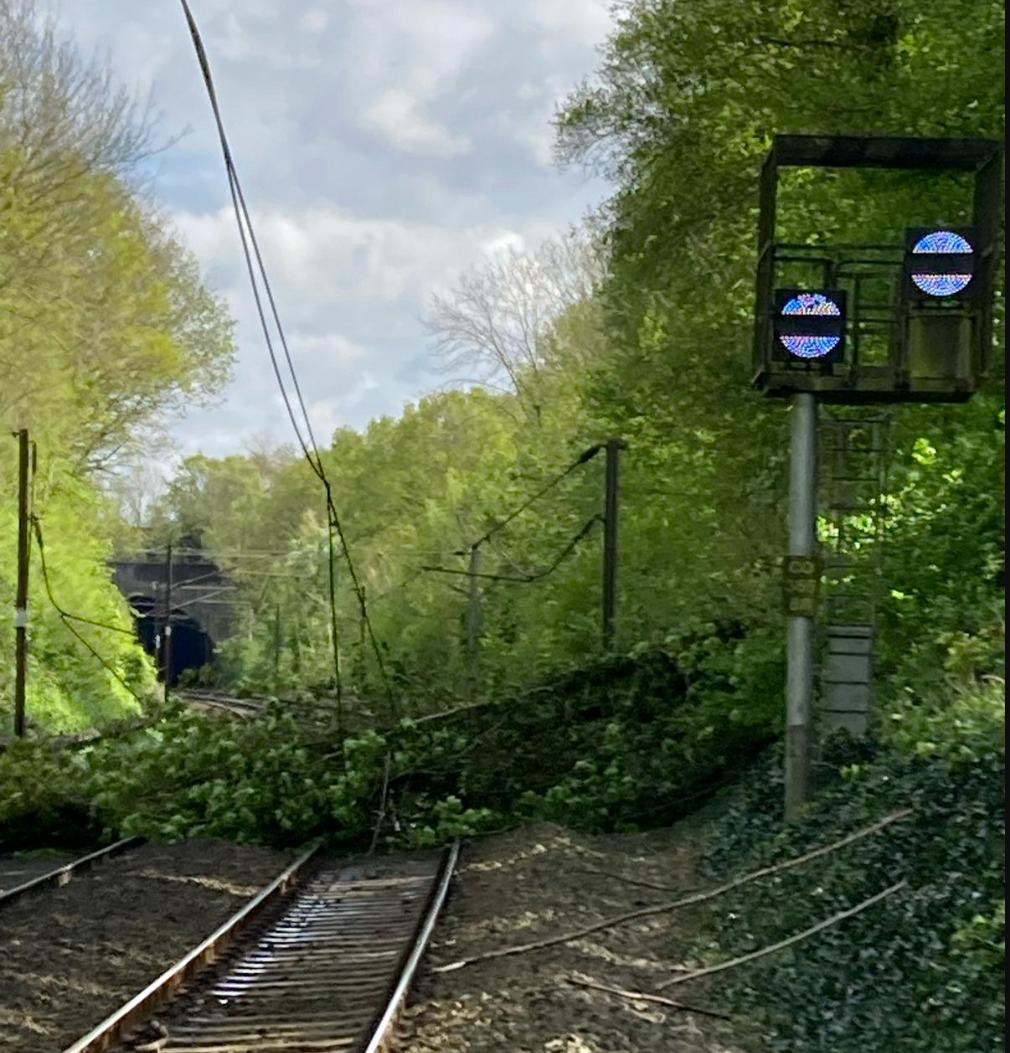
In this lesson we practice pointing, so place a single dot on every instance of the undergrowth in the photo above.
(917, 972)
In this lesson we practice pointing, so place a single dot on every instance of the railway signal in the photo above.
(863, 324)
(810, 326)
(939, 263)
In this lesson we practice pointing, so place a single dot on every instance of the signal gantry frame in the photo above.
(905, 322)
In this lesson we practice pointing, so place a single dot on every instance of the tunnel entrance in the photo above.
(192, 646)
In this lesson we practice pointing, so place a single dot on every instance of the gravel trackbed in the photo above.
(541, 881)
(69, 956)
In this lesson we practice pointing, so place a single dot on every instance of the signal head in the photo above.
(809, 325)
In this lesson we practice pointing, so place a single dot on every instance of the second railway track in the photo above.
(324, 961)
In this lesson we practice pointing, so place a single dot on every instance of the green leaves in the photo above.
(926, 971)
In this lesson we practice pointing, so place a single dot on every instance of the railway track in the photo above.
(220, 703)
(62, 874)
(321, 960)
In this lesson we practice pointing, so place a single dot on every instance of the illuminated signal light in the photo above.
(810, 324)
(939, 263)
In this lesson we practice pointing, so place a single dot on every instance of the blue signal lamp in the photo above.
(940, 263)
(809, 326)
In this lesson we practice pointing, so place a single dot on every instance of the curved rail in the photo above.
(61, 875)
(221, 703)
(382, 1034)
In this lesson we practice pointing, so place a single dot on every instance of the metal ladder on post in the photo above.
(853, 475)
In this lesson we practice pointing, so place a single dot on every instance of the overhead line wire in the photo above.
(243, 221)
(583, 458)
(66, 617)
(525, 579)
(313, 457)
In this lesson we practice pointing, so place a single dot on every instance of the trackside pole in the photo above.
(167, 651)
(800, 639)
(610, 535)
(473, 622)
(21, 599)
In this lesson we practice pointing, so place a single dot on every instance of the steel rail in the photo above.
(382, 1030)
(115, 1026)
(61, 875)
(238, 707)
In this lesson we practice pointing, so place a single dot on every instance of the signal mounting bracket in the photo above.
(936, 351)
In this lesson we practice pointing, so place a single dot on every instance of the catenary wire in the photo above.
(309, 449)
(583, 458)
(525, 579)
(67, 618)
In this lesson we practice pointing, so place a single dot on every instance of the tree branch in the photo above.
(382, 806)
(772, 948)
(641, 996)
(664, 908)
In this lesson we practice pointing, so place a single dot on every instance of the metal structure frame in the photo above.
(968, 321)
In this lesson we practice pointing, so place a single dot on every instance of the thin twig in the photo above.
(827, 923)
(664, 908)
(632, 881)
(641, 996)
(382, 806)
(456, 709)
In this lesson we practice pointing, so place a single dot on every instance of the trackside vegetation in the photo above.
(484, 707)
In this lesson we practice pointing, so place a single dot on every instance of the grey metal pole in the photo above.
(167, 652)
(610, 507)
(473, 621)
(800, 640)
(21, 596)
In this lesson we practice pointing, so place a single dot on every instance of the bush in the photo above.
(42, 800)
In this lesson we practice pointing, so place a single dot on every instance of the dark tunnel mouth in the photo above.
(192, 646)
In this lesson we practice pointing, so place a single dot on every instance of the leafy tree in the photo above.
(104, 326)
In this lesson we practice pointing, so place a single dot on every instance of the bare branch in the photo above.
(641, 996)
(687, 901)
(788, 942)
(499, 323)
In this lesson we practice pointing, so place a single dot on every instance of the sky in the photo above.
(385, 146)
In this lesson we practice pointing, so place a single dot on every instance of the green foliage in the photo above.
(42, 799)
(187, 777)
(105, 327)
(920, 971)
(68, 688)
(622, 744)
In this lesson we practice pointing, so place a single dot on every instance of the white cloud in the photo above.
(384, 145)
(329, 349)
(509, 241)
(314, 20)
(585, 22)
(396, 115)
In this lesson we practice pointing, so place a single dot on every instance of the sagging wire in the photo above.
(583, 458)
(525, 579)
(68, 618)
(309, 448)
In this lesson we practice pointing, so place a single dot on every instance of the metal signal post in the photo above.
(21, 598)
(613, 448)
(800, 638)
(167, 649)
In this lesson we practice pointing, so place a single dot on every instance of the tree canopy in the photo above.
(105, 329)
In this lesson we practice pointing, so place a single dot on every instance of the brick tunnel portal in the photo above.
(201, 613)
